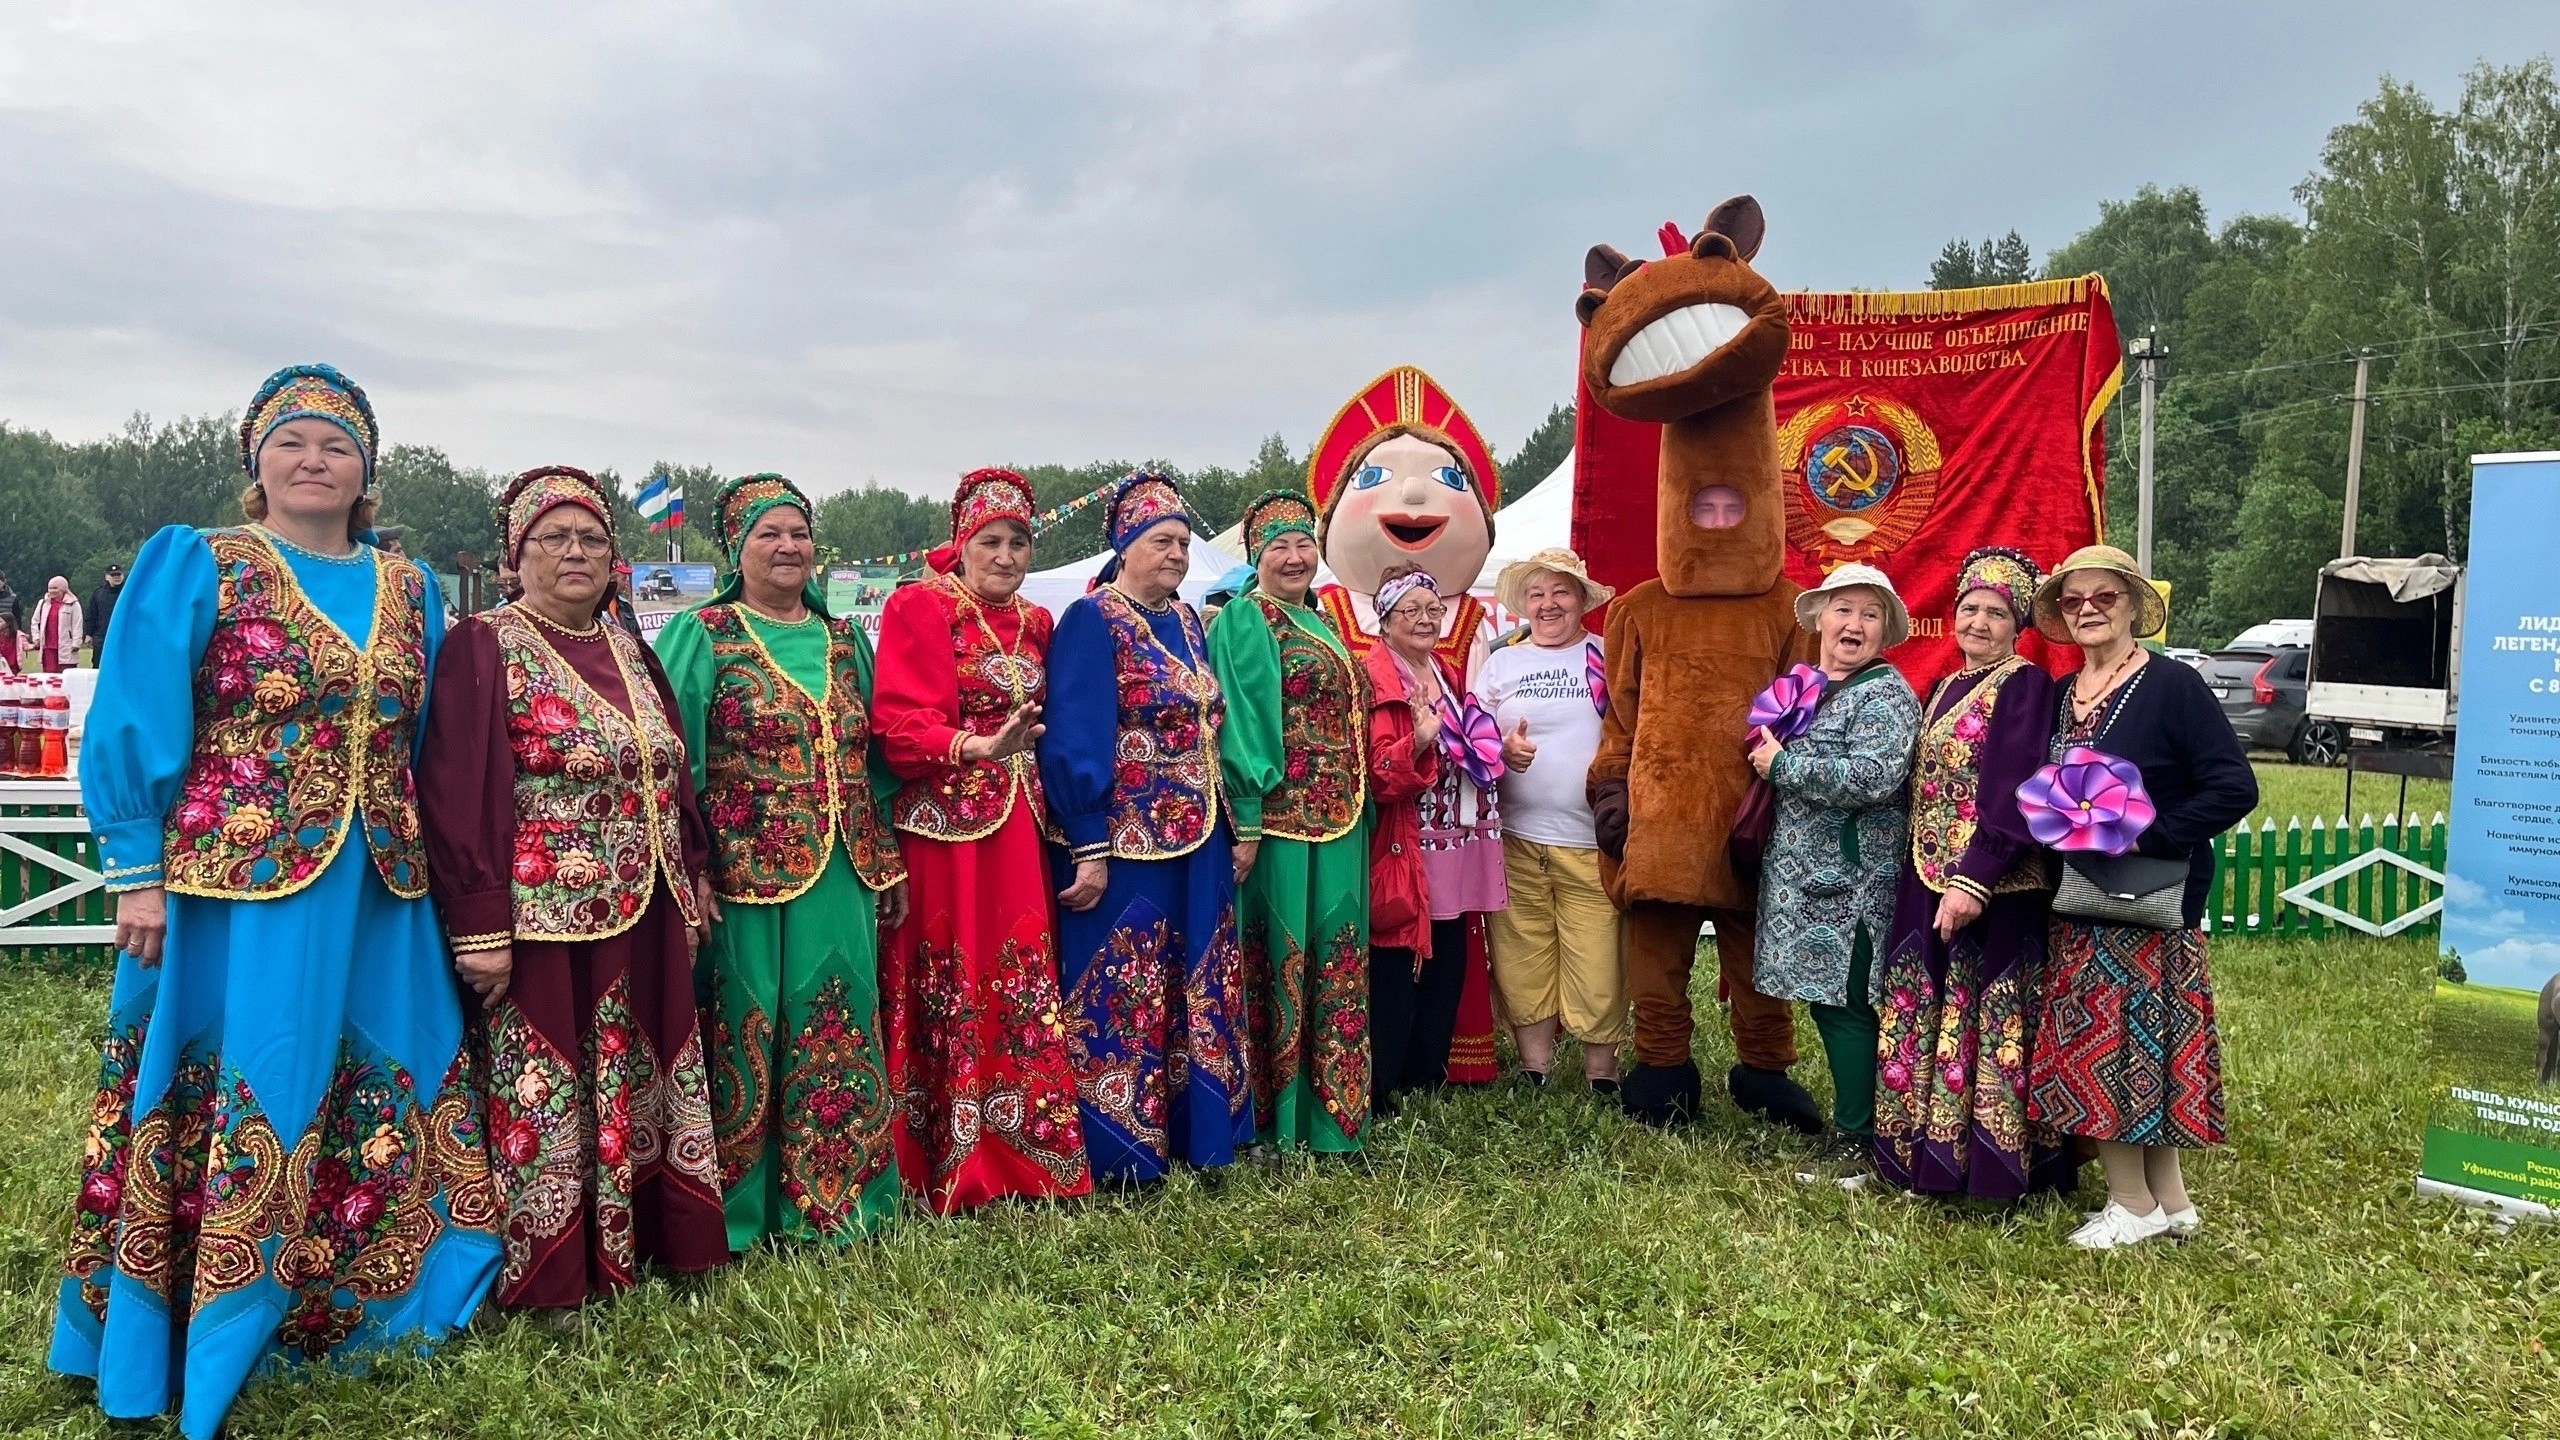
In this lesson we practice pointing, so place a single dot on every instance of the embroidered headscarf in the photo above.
(984, 497)
(530, 495)
(735, 508)
(1143, 500)
(309, 392)
(2005, 572)
(1272, 514)
(1391, 591)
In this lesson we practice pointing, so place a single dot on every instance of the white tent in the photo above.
(1057, 589)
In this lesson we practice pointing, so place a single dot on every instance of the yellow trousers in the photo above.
(1556, 950)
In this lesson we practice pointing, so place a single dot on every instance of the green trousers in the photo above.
(1849, 1041)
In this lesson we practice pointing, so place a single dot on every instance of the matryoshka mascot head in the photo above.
(1401, 477)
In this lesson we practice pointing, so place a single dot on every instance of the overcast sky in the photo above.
(857, 242)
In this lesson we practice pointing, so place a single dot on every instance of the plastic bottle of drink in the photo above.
(9, 688)
(56, 757)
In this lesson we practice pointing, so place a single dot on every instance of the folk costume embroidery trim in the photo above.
(1945, 781)
(298, 732)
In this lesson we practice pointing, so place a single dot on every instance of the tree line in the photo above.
(2428, 242)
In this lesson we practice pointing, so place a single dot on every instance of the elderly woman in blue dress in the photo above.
(1826, 897)
(1148, 957)
(284, 1154)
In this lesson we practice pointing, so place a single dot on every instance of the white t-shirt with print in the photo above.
(1551, 690)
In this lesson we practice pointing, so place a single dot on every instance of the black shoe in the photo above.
(1662, 1094)
(1604, 1087)
(1772, 1096)
(1534, 1079)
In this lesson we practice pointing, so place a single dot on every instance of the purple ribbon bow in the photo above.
(2088, 800)
(1596, 676)
(1786, 707)
(1470, 740)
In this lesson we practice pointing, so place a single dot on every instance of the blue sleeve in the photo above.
(141, 729)
(435, 646)
(1083, 716)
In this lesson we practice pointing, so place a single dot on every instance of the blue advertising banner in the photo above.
(2494, 1134)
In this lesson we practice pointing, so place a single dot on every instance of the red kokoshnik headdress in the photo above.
(1403, 401)
(984, 496)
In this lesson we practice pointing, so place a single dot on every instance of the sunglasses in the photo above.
(2104, 602)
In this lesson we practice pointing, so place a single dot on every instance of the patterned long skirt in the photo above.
(1305, 913)
(800, 1100)
(977, 1038)
(2125, 1045)
(286, 1156)
(1952, 1051)
(1154, 982)
(600, 1114)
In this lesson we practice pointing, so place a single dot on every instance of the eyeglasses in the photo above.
(2103, 602)
(557, 543)
(1433, 613)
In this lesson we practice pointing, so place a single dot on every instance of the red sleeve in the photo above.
(1396, 772)
(697, 838)
(467, 792)
(915, 698)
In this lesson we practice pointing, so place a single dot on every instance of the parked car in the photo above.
(2264, 690)
(2192, 659)
(2268, 633)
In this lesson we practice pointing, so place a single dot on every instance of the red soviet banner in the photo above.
(1913, 426)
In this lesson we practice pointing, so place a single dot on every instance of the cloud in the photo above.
(857, 242)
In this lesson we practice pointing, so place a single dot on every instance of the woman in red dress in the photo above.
(977, 1046)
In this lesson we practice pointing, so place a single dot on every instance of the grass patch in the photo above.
(1513, 1263)
(2286, 790)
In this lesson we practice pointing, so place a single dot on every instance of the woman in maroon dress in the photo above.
(977, 1046)
(566, 858)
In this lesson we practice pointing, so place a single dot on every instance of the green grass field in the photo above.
(2286, 790)
(1513, 1263)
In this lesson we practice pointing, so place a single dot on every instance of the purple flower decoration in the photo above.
(1786, 707)
(2091, 800)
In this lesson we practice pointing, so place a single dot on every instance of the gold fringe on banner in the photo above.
(1850, 306)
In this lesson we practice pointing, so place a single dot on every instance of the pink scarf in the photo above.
(53, 619)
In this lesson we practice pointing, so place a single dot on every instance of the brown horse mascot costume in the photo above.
(1693, 342)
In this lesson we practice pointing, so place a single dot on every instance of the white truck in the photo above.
(2386, 656)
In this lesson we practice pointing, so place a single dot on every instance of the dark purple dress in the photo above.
(1957, 1018)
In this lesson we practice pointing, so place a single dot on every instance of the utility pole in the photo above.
(2147, 351)
(2355, 458)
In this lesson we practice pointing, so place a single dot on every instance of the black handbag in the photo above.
(2144, 890)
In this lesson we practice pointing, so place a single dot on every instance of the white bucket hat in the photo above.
(1897, 619)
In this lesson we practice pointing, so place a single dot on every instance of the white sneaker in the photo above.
(2116, 1227)
(2183, 1224)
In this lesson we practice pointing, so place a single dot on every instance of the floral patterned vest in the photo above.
(298, 732)
(596, 817)
(1324, 733)
(973, 801)
(786, 773)
(1946, 777)
(1164, 791)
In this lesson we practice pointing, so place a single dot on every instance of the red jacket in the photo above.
(1399, 771)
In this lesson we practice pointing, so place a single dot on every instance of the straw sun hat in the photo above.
(1512, 585)
(2151, 614)
(1897, 619)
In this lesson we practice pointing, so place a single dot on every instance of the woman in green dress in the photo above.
(1293, 756)
(776, 701)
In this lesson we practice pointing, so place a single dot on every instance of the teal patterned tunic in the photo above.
(1837, 852)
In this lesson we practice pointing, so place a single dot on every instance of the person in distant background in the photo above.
(102, 609)
(386, 538)
(9, 602)
(14, 649)
(57, 628)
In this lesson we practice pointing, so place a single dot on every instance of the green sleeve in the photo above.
(1247, 659)
(884, 781)
(684, 651)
